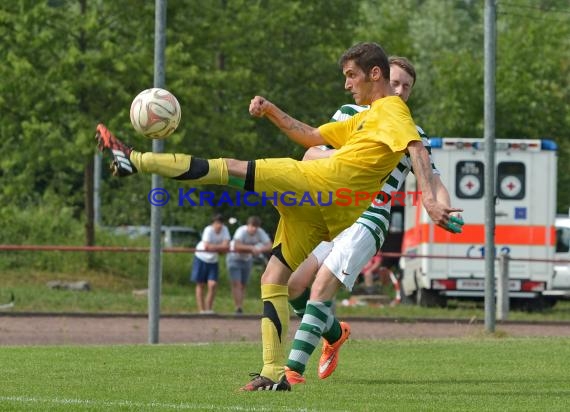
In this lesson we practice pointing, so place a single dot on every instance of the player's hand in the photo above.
(445, 217)
(455, 223)
(258, 106)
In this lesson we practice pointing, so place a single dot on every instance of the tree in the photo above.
(69, 64)
(444, 39)
(532, 78)
(221, 54)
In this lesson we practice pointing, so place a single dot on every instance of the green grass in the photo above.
(114, 293)
(472, 374)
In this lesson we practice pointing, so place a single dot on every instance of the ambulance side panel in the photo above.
(525, 211)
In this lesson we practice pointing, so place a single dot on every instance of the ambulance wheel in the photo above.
(550, 302)
(430, 299)
(537, 304)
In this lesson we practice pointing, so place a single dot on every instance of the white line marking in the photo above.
(136, 405)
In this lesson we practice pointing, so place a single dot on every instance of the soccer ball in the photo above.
(155, 113)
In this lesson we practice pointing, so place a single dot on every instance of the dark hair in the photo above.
(366, 56)
(218, 218)
(405, 65)
(254, 221)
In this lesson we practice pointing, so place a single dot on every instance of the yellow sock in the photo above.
(175, 164)
(274, 330)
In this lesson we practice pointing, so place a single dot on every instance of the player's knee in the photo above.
(236, 167)
(298, 283)
(276, 272)
(325, 287)
(295, 289)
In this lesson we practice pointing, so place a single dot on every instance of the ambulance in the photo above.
(438, 265)
(561, 281)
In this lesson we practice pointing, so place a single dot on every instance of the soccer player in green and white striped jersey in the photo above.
(346, 111)
(347, 254)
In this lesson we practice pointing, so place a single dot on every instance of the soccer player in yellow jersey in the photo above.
(369, 146)
(341, 261)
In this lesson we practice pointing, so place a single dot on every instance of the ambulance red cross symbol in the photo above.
(470, 185)
(511, 186)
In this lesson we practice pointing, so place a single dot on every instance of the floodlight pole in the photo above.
(489, 138)
(155, 258)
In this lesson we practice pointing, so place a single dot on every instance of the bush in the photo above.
(42, 225)
(48, 225)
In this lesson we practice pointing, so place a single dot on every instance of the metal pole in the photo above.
(155, 258)
(97, 188)
(489, 135)
(503, 287)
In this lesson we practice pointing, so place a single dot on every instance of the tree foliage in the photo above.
(69, 64)
(445, 40)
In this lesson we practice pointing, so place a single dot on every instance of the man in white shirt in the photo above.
(205, 267)
(249, 240)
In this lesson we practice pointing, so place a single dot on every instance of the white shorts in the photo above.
(351, 251)
(322, 251)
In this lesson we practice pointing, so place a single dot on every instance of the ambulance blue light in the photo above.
(436, 142)
(547, 144)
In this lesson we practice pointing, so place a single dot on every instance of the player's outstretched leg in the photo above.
(180, 166)
(119, 151)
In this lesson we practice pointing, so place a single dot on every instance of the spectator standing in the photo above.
(373, 271)
(205, 267)
(249, 240)
(369, 271)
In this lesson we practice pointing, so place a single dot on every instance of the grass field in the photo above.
(112, 293)
(482, 374)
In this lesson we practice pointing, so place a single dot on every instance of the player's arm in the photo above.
(296, 130)
(436, 209)
(441, 193)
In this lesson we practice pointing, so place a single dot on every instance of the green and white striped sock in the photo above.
(317, 319)
(299, 304)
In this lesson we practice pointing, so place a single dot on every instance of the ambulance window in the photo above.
(511, 180)
(562, 240)
(469, 179)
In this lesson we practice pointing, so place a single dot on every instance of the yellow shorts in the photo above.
(306, 194)
(301, 227)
